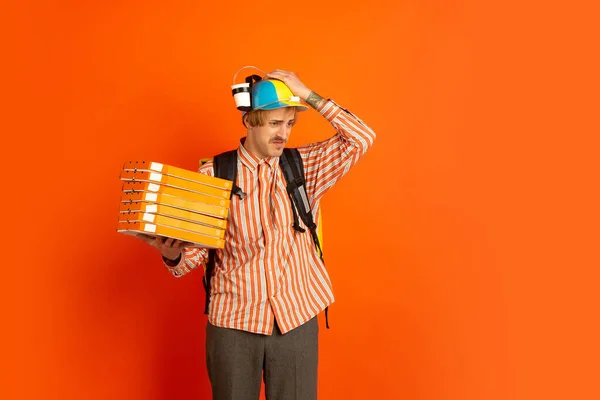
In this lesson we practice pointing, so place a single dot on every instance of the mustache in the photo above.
(277, 139)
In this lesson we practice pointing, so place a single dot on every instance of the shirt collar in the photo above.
(250, 160)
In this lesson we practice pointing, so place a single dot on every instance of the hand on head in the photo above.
(291, 81)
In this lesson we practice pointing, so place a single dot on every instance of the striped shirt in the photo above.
(267, 270)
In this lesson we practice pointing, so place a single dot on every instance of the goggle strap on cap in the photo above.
(249, 80)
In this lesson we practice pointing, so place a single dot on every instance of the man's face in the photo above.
(270, 139)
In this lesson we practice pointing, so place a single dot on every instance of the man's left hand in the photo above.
(292, 81)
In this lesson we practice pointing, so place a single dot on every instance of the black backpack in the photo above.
(290, 162)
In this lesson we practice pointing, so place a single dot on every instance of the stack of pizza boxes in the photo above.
(163, 200)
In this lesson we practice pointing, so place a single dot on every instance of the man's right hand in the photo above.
(169, 248)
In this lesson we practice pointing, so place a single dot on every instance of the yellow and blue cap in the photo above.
(271, 94)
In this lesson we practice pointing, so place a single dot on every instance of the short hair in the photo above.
(259, 117)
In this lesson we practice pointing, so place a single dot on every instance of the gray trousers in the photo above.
(236, 361)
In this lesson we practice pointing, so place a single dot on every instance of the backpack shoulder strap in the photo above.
(291, 164)
(225, 167)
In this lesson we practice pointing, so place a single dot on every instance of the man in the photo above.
(269, 282)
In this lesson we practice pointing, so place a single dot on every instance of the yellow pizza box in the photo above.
(195, 239)
(163, 220)
(170, 170)
(138, 186)
(161, 209)
(202, 208)
(179, 183)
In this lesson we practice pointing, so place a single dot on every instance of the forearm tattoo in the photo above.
(314, 100)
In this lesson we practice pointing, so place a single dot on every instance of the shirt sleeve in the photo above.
(327, 161)
(192, 257)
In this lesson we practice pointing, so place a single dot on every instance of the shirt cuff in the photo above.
(330, 110)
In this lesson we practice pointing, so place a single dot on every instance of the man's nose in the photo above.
(285, 131)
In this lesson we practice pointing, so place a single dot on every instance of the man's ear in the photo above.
(245, 121)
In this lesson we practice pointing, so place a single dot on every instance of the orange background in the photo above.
(463, 248)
